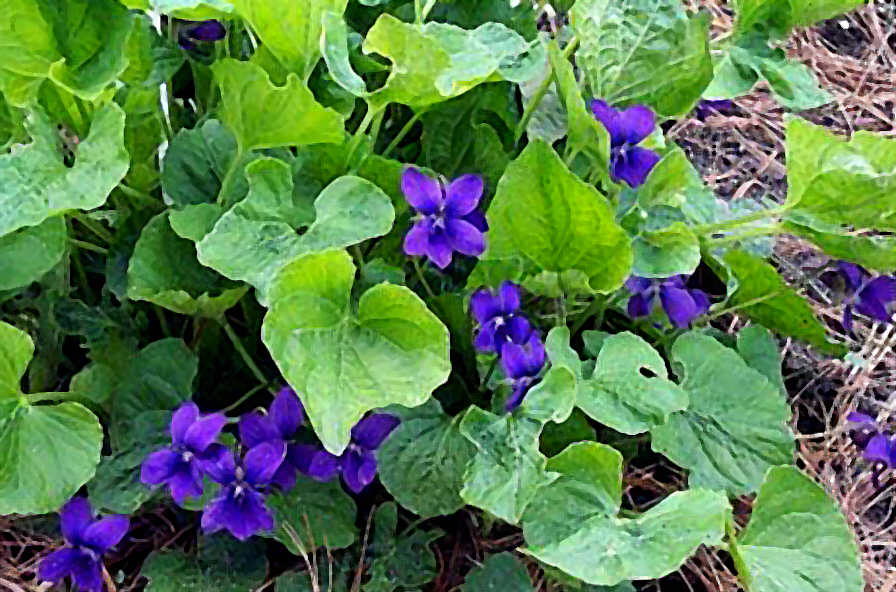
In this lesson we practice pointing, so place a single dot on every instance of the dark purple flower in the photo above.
(240, 505)
(499, 318)
(358, 463)
(708, 107)
(522, 364)
(86, 541)
(278, 425)
(682, 304)
(627, 129)
(447, 219)
(209, 31)
(862, 428)
(180, 466)
(878, 447)
(871, 296)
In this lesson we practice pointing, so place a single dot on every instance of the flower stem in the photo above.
(540, 92)
(241, 350)
(737, 222)
(94, 227)
(597, 307)
(743, 305)
(404, 131)
(423, 281)
(227, 181)
(88, 246)
(139, 195)
(243, 399)
(359, 135)
(756, 232)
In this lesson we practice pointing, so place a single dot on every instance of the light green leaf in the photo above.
(262, 115)
(832, 180)
(334, 47)
(35, 183)
(605, 550)
(797, 539)
(586, 134)
(544, 218)
(28, 253)
(47, 452)
(257, 237)
(500, 572)
(759, 349)
(762, 296)
(674, 182)
(877, 253)
(589, 484)
(16, 349)
(291, 33)
(643, 51)
(620, 395)
(777, 17)
(736, 425)
(422, 463)
(78, 44)
(663, 253)
(325, 508)
(195, 221)
(508, 468)
(164, 270)
(437, 61)
(393, 350)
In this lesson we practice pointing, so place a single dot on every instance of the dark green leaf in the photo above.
(28, 253)
(498, 573)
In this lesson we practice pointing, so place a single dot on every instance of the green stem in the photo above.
(422, 279)
(418, 12)
(597, 306)
(227, 181)
(733, 238)
(88, 246)
(243, 399)
(402, 133)
(138, 195)
(743, 305)
(359, 255)
(426, 10)
(540, 92)
(704, 229)
(94, 226)
(241, 350)
(491, 370)
(361, 131)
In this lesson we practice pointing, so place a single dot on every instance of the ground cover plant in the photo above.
(309, 280)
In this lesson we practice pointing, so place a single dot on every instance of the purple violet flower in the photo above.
(86, 541)
(870, 296)
(447, 219)
(521, 365)
(878, 447)
(627, 129)
(358, 463)
(499, 318)
(180, 466)
(278, 425)
(708, 107)
(208, 31)
(240, 506)
(682, 304)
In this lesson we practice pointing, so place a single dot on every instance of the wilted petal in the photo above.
(324, 466)
(416, 241)
(679, 306)
(370, 432)
(609, 117)
(75, 517)
(104, 534)
(204, 431)
(262, 461)
(256, 428)
(182, 419)
(57, 564)
(359, 470)
(439, 249)
(158, 466)
(422, 192)
(207, 31)
(464, 237)
(88, 574)
(463, 195)
(633, 165)
(637, 122)
(286, 413)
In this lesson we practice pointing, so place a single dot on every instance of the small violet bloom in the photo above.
(682, 304)
(86, 541)
(181, 465)
(869, 296)
(627, 129)
(202, 31)
(499, 318)
(278, 425)
(878, 447)
(447, 220)
(240, 505)
(358, 463)
(708, 107)
(521, 365)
